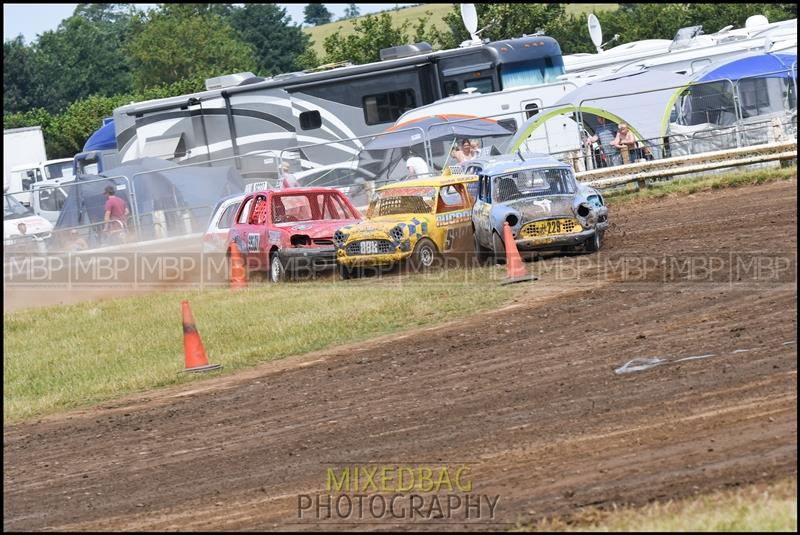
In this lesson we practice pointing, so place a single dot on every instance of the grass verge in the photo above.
(694, 185)
(753, 508)
(70, 356)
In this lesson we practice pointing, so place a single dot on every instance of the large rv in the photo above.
(242, 114)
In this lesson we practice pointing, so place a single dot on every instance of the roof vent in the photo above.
(405, 51)
(228, 80)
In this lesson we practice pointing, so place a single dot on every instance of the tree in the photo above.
(19, 76)
(276, 42)
(78, 59)
(370, 35)
(171, 45)
(316, 14)
(352, 11)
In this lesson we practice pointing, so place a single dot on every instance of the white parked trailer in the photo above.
(21, 146)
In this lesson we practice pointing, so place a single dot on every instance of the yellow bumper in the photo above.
(370, 259)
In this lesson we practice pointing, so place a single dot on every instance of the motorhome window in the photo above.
(58, 170)
(483, 85)
(451, 88)
(387, 107)
(533, 183)
(508, 124)
(708, 103)
(536, 71)
(531, 110)
(309, 120)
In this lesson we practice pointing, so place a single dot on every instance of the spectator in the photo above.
(476, 147)
(76, 243)
(605, 135)
(288, 180)
(116, 213)
(624, 141)
(416, 166)
(465, 152)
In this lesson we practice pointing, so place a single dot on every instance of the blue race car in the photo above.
(543, 203)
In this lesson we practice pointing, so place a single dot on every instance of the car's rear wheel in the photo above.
(498, 248)
(425, 255)
(277, 273)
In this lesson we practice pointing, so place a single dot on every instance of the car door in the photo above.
(453, 217)
(481, 211)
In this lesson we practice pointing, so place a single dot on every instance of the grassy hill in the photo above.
(319, 33)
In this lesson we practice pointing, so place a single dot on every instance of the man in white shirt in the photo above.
(416, 166)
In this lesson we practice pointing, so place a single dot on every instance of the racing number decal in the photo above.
(454, 235)
(253, 242)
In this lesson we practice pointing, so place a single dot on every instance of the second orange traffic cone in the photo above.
(238, 277)
(515, 269)
(193, 350)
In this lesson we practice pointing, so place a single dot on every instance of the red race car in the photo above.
(289, 230)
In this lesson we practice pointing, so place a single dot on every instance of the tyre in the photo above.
(277, 273)
(425, 255)
(498, 248)
(592, 245)
(346, 272)
(481, 253)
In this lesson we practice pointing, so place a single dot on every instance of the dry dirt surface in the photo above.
(526, 397)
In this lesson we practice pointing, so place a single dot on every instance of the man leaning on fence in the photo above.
(116, 215)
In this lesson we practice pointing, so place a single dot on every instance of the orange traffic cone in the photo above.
(196, 360)
(238, 278)
(515, 269)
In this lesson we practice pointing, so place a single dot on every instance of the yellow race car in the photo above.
(415, 220)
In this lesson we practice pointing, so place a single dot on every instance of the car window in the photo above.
(52, 199)
(226, 219)
(452, 198)
(412, 200)
(258, 213)
(245, 211)
(532, 183)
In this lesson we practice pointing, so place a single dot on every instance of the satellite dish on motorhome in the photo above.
(470, 18)
(756, 21)
(595, 32)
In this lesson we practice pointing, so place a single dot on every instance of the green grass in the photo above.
(62, 357)
(754, 508)
(694, 185)
(412, 14)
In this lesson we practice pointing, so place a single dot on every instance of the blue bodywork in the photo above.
(575, 202)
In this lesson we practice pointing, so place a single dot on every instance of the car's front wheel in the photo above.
(498, 248)
(425, 255)
(277, 273)
(347, 272)
(592, 245)
(481, 252)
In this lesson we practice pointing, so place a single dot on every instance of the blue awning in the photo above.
(774, 65)
(104, 138)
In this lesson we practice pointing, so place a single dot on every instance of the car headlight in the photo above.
(396, 233)
(338, 238)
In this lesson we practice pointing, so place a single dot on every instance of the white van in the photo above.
(22, 229)
(23, 177)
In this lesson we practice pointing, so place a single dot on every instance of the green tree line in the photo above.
(106, 55)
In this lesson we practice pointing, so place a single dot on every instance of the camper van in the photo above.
(23, 177)
(322, 110)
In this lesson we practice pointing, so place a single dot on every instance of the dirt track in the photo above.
(527, 396)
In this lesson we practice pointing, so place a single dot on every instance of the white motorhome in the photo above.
(21, 146)
(23, 177)
(690, 51)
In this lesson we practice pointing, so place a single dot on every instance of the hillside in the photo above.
(412, 14)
